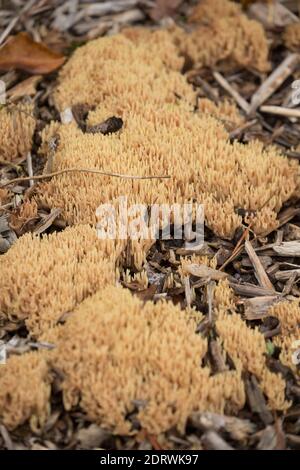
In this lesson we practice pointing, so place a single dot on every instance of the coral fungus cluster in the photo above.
(17, 128)
(130, 364)
(162, 134)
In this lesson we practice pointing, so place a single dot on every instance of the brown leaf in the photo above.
(164, 8)
(25, 88)
(21, 52)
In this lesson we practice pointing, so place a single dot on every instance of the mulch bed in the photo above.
(273, 120)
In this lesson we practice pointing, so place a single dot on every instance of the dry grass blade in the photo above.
(260, 273)
(79, 170)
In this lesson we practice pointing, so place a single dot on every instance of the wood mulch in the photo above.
(271, 116)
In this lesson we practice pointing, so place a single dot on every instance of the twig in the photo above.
(238, 131)
(210, 295)
(29, 168)
(207, 88)
(281, 111)
(15, 20)
(274, 81)
(235, 95)
(238, 248)
(80, 170)
(260, 273)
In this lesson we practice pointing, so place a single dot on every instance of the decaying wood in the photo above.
(249, 290)
(257, 400)
(256, 308)
(203, 271)
(285, 275)
(217, 357)
(291, 248)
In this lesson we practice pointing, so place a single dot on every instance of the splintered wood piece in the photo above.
(291, 248)
(257, 307)
(203, 271)
(260, 273)
(249, 290)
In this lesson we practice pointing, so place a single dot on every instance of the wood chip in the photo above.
(212, 441)
(288, 249)
(257, 307)
(257, 400)
(260, 273)
(203, 271)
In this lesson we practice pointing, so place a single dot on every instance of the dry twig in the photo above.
(80, 170)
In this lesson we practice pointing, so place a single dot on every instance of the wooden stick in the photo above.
(243, 104)
(15, 20)
(80, 170)
(236, 132)
(281, 111)
(260, 273)
(274, 81)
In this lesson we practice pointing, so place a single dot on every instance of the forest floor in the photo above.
(63, 27)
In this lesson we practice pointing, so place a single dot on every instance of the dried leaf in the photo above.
(164, 8)
(21, 52)
(25, 88)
